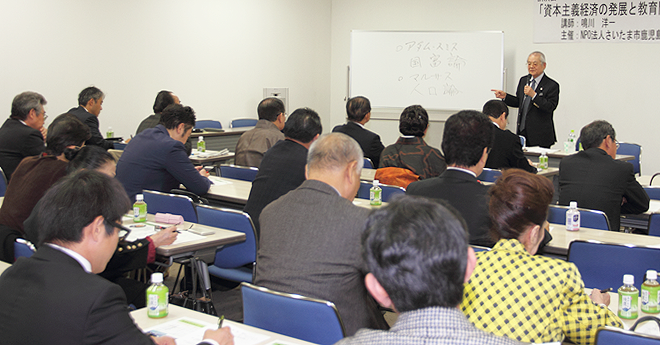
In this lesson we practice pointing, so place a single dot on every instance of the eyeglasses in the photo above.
(123, 231)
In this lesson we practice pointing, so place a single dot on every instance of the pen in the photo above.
(606, 290)
(220, 320)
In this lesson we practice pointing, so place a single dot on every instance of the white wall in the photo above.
(216, 55)
(615, 82)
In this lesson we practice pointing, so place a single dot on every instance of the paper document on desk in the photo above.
(208, 153)
(218, 181)
(139, 231)
(188, 331)
(539, 150)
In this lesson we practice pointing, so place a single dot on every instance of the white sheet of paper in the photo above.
(188, 331)
(138, 232)
(217, 181)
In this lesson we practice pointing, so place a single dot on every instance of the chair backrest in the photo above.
(523, 141)
(489, 175)
(243, 123)
(208, 124)
(305, 318)
(616, 336)
(158, 202)
(653, 192)
(634, 150)
(234, 255)
(3, 183)
(602, 265)
(368, 164)
(652, 177)
(654, 224)
(388, 191)
(480, 249)
(23, 248)
(119, 146)
(239, 172)
(588, 218)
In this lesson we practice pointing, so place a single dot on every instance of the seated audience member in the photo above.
(283, 166)
(22, 135)
(129, 255)
(507, 150)
(156, 158)
(310, 237)
(418, 258)
(36, 174)
(163, 99)
(411, 151)
(54, 296)
(358, 110)
(90, 101)
(254, 143)
(466, 140)
(527, 297)
(596, 180)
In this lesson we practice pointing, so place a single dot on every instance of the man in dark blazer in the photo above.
(596, 180)
(283, 166)
(507, 150)
(358, 110)
(466, 140)
(55, 297)
(310, 237)
(23, 134)
(90, 104)
(536, 98)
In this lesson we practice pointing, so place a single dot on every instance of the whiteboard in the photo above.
(436, 69)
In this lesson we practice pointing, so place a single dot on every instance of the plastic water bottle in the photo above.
(543, 161)
(628, 298)
(375, 194)
(110, 133)
(651, 293)
(569, 145)
(139, 209)
(201, 144)
(573, 217)
(157, 297)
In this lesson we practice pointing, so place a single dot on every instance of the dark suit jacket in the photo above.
(310, 245)
(18, 141)
(368, 140)
(466, 194)
(540, 126)
(152, 121)
(50, 299)
(93, 122)
(596, 181)
(155, 161)
(507, 152)
(281, 170)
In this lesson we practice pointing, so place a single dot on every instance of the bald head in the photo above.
(333, 152)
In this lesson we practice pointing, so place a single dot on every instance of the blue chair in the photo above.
(243, 123)
(119, 146)
(235, 262)
(388, 191)
(616, 336)
(297, 316)
(588, 218)
(634, 150)
(653, 192)
(523, 141)
(654, 224)
(238, 172)
(23, 248)
(602, 265)
(368, 164)
(158, 202)
(3, 183)
(489, 175)
(480, 249)
(201, 124)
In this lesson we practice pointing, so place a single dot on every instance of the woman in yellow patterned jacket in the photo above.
(512, 292)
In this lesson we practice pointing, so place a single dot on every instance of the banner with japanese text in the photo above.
(559, 21)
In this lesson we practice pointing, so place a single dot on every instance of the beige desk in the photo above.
(175, 312)
(3, 266)
(217, 141)
(368, 174)
(555, 157)
(561, 239)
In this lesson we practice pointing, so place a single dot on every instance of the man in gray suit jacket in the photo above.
(310, 237)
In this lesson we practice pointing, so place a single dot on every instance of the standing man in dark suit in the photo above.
(283, 166)
(24, 133)
(310, 237)
(358, 110)
(596, 180)
(56, 296)
(90, 104)
(466, 140)
(507, 150)
(536, 98)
